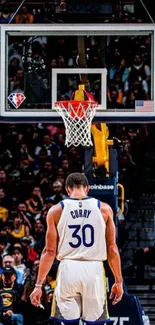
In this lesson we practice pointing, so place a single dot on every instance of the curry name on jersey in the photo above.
(81, 230)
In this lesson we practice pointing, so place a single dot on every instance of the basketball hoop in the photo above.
(77, 117)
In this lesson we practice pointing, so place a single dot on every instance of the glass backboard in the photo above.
(43, 64)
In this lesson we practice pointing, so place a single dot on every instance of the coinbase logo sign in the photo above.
(101, 187)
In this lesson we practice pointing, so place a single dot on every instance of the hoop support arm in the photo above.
(101, 144)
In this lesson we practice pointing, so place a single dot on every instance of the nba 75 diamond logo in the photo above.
(16, 99)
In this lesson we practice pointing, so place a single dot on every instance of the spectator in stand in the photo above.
(46, 177)
(14, 66)
(139, 71)
(129, 100)
(113, 99)
(3, 179)
(140, 92)
(24, 17)
(49, 147)
(47, 171)
(34, 203)
(3, 214)
(58, 192)
(49, 202)
(19, 228)
(59, 138)
(76, 159)
(34, 273)
(39, 236)
(5, 14)
(5, 154)
(3, 245)
(119, 86)
(23, 149)
(30, 254)
(4, 203)
(18, 255)
(66, 166)
(7, 228)
(8, 261)
(23, 211)
(121, 68)
(11, 294)
(60, 176)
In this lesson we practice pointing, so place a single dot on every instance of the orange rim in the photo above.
(75, 103)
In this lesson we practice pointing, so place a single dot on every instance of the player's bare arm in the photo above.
(113, 255)
(48, 254)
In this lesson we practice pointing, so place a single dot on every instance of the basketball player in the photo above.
(81, 232)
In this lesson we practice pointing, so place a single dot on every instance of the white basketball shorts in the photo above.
(80, 292)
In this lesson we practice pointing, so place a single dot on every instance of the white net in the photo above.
(77, 117)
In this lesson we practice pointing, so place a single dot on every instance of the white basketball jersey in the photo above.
(81, 230)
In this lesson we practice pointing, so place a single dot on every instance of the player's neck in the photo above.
(78, 194)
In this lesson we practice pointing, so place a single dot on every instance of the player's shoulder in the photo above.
(106, 210)
(54, 213)
(55, 207)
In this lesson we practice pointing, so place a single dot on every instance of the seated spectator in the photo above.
(3, 213)
(24, 17)
(58, 192)
(20, 266)
(66, 166)
(22, 207)
(19, 228)
(8, 261)
(60, 172)
(76, 159)
(5, 15)
(30, 253)
(23, 210)
(119, 85)
(140, 89)
(139, 71)
(17, 82)
(47, 172)
(121, 68)
(35, 202)
(33, 274)
(23, 149)
(14, 65)
(6, 154)
(11, 293)
(49, 147)
(46, 177)
(3, 245)
(39, 236)
(3, 179)
(49, 202)
(8, 227)
(4, 204)
(113, 99)
(130, 99)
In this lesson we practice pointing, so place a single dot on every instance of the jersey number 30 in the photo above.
(86, 236)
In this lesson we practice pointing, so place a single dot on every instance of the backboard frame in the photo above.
(102, 72)
(74, 29)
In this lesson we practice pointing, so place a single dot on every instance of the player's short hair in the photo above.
(76, 180)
